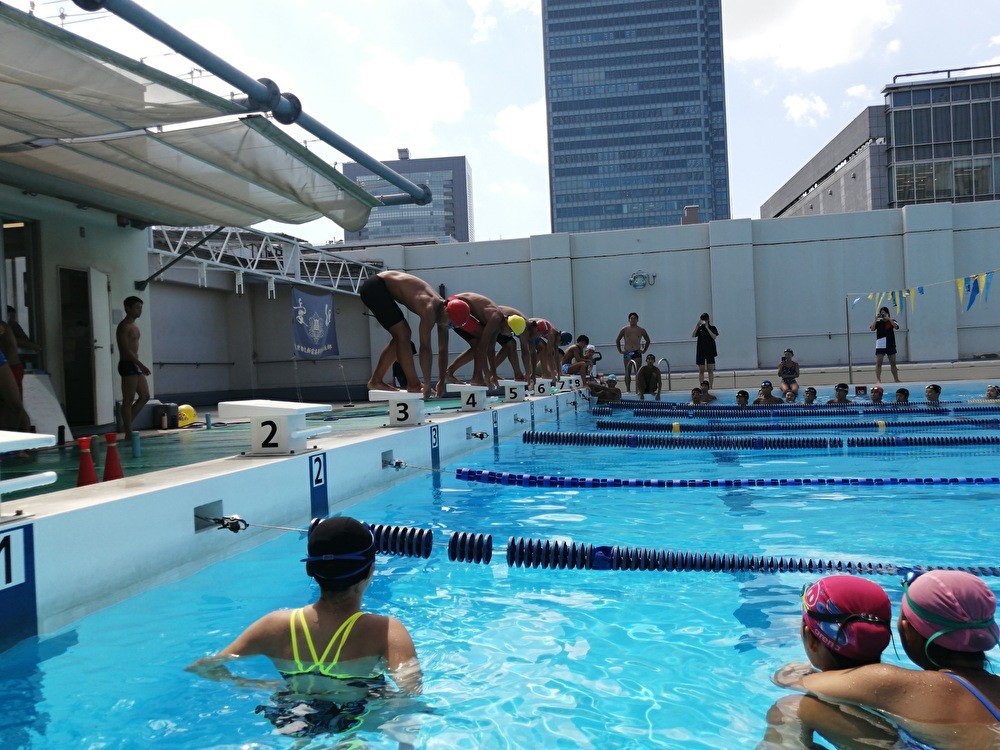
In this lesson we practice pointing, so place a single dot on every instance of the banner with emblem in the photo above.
(314, 332)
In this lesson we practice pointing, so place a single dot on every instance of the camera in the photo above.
(784, 359)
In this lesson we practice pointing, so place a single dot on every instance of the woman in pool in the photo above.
(946, 626)
(325, 690)
(846, 622)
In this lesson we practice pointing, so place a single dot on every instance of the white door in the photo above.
(104, 354)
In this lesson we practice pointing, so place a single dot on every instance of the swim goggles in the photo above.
(841, 618)
(365, 556)
(947, 626)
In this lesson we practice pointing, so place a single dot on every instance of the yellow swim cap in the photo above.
(516, 323)
(186, 415)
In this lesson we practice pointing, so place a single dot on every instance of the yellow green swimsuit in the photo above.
(296, 712)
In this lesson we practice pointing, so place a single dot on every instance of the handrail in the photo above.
(664, 359)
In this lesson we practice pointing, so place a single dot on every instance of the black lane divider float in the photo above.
(410, 541)
(534, 437)
(543, 480)
(880, 425)
(790, 411)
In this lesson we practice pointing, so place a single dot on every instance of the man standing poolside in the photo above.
(380, 294)
(632, 342)
(135, 389)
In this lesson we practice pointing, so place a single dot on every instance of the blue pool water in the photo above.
(515, 657)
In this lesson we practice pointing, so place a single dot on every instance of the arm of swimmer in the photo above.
(619, 340)
(793, 721)
(878, 686)
(402, 657)
(644, 336)
(253, 641)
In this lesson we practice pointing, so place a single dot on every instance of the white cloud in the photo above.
(340, 29)
(805, 111)
(995, 39)
(861, 91)
(413, 96)
(483, 21)
(521, 130)
(804, 34)
(893, 47)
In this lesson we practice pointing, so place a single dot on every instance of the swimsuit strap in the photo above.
(318, 661)
(342, 634)
(987, 703)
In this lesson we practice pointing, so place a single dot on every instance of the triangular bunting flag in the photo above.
(960, 283)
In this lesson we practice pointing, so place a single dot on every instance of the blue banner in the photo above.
(314, 332)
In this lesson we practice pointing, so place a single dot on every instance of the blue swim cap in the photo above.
(566, 338)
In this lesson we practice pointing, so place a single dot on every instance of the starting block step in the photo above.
(513, 390)
(473, 397)
(405, 409)
(277, 428)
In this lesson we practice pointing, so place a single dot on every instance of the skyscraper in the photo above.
(449, 214)
(636, 112)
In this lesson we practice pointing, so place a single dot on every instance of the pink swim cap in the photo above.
(952, 609)
(850, 616)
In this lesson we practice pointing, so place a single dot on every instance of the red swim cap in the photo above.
(461, 315)
(850, 616)
(543, 326)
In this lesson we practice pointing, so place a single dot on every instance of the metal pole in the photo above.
(264, 95)
(847, 317)
(141, 285)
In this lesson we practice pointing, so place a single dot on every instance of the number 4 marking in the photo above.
(471, 400)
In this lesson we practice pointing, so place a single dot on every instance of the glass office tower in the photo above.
(449, 214)
(944, 137)
(636, 112)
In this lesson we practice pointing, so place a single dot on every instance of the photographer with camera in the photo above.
(885, 328)
(788, 371)
(705, 352)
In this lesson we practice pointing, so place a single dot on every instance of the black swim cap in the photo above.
(341, 550)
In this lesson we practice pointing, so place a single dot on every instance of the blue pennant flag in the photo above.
(314, 331)
(972, 287)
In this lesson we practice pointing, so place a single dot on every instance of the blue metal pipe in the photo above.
(264, 95)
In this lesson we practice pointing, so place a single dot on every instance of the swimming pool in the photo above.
(523, 657)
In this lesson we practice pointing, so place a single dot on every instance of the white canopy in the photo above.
(83, 123)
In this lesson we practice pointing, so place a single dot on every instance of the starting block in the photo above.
(24, 441)
(543, 387)
(568, 382)
(405, 409)
(277, 428)
(513, 390)
(473, 397)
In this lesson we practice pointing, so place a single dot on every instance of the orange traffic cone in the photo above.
(112, 464)
(87, 473)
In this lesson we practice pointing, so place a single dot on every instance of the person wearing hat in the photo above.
(382, 294)
(742, 398)
(766, 395)
(809, 396)
(876, 394)
(330, 649)
(606, 393)
(788, 372)
(707, 396)
(478, 320)
(933, 394)
(840, 394)
(846, 623)
(946, 625)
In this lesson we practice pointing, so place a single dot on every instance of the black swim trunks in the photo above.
(127, 369)
(464, 335)
(503, 339)
(299, 718)
(376, 297)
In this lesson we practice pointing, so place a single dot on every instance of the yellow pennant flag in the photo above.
(960, 283)
(913, 296)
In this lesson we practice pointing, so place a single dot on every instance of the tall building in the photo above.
(936, 139)
(449, 214)
(636, 112)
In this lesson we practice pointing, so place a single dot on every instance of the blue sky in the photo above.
(450, 77)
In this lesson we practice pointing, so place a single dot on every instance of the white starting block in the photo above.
(24, 441)
(543, 387)
(277, 428)
(568, 382)
(473, 396)
(405, 409)
(513, 391)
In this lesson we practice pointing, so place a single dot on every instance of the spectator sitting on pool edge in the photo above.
(341, 558)
(840, 395)
(846, 623)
